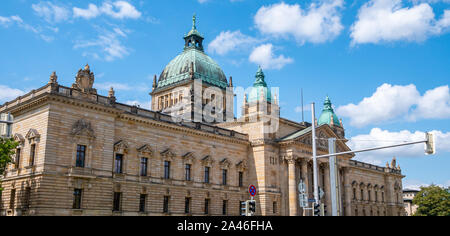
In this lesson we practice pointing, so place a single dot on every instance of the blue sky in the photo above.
(384, 63)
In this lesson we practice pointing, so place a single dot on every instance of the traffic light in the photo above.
(244, 208)
(316, 209)
(323, 209)
(251, 207)
(430, 145)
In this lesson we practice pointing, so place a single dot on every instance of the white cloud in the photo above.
(388, 21)
(8, 94)
(434, 104)
(378, 137)
(109, 43)
(321, 21)
(17, 20)
(391, 102)
(117, 9)
(91, 12)
(51, 12)
(387, 103)
(265, 57)
(228, 41)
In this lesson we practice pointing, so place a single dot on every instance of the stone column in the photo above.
(348, 192)
(327, 188)
(292, 186)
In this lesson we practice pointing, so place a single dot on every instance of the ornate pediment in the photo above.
(225, 163)
(121, 146)
(242, 165)
(168, 154)
(145, 150)
(32, 134)
(189, 157)
(207, 160)
(82, 127)
(19, 138)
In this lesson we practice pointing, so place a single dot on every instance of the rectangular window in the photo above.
(369, 198)
(376, 196)
(207, 206)
(77, 194)
(116, 201)
(81, 156)
(224, 177)
(166, 204)
(207, 174)
(166, 169)
(187, 205)
(362, 195)
(382, 197)
(224, 207)
(142, 200)
(188, 172)
(274, 207)
(144, 166)
(241, 179)
(118, 164)
(26, 198)
(17, 163)
(32, 154)
(12, 200)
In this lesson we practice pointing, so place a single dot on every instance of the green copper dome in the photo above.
(260, 89)
(192, 63)
(328, 114)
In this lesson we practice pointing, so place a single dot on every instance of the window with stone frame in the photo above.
(166, 204)
(26, 198)
(81, 156)
(187, 170)
(166, 169)
(142, 202)
(187, 205)
(144, 166)
(225, 207)
(32, 154)
(12, 199)
(224, 176)
(275, 208)
(206, 207)
(117, 201)
(17, 161)
(118, 164)
(77, 198)
(207, 174)
(241, 179)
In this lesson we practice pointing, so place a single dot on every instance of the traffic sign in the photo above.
(303, 200)
(302, 187)
(252, 190)
(311, 200)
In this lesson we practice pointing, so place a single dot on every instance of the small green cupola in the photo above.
(260, 90)
(194, 39)
(328, 116)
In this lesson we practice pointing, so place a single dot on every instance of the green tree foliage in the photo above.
(7, 150)
(432, 201)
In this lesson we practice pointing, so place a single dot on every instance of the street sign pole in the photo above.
(314, 151)
(334, 177)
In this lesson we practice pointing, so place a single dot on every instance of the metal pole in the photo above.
(334, 183)
(366, 150)
(314, 151)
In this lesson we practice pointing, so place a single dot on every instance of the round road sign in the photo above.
(252, 190)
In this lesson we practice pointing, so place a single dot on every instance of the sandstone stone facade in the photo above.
(53, 121)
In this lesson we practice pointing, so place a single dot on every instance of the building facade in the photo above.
(408, 197)
(82, 153)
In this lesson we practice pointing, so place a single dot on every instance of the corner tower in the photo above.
(191, 82)
(330, 118)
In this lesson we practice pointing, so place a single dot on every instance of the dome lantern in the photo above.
(328, 116)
